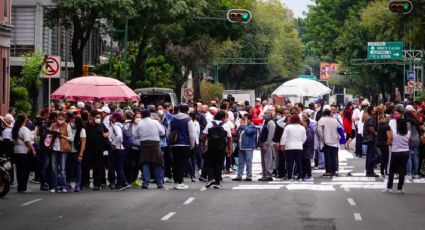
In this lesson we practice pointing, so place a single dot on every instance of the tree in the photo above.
(81, 17)
(211, 91)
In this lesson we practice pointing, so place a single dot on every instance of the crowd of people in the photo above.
(116, 145)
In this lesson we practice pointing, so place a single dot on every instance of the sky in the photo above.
(297, 6)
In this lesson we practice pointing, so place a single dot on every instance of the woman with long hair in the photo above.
(413, 127)
(21, 136)
(73, 162)
(381, 143)
(348, 124)
(400, 141)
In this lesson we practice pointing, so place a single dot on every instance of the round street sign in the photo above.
(51, 67)
(188, 93)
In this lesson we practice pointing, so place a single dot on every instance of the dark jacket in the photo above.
(308, 147)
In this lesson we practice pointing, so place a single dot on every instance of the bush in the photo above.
(19, 98)
(211, 91)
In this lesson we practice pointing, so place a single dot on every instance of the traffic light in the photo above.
(401, 6)
(86, 70)
(239, 16)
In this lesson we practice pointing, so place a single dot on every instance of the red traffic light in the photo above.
(239, 16)
(401, 6)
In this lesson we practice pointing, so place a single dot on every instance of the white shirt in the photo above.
(400, 143)
(356, 116)
(393, 125)
(117, 135)
(150, 130)
(360, 123)
(293, 137)
(231, 116)
(82, 134)
(57, 144)
(24, 135)
(6, 134)
(209, 117)
(197, 128)
(226, 128)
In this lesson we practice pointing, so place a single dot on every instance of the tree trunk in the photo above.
(137, 71)
(196, 86)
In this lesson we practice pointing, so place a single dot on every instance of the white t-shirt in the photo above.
(360, 123)
(231, 116)
(24, 135)
(197, 131)
(356, 116)
(6, 134)
(226, 128)
(400, 143)
(82, 134)
(57, 145)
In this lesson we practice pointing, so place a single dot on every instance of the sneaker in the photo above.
(210, 183)
(25, 191)
(181, 187)
(52, 190)
(308, 179)
(400, 191)
(266, 179)
(64, 190)
(125, 187)
(167, 180)
(68, 187)
(160, 187)
(111, 186)
(136, 183)
(218, 186)
(415, 176)
(387, 190)
(247, 179)
(77, 188)
(35, 181)
(203, 179)
(237, 179)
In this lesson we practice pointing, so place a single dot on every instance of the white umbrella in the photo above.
(301, 87)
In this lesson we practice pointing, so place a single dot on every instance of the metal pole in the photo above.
(125, 48)
(110, 48)
(50, 90)
(66, 54)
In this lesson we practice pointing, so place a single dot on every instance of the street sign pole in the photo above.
(50, 91)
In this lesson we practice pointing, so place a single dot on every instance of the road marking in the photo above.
(313, 187)
(189, 200)
(203, 189)
(168, 216)
(354, 179)
(359, 186)
(347, 189)
(353, 183)
(357, 216)
(351, 201)
(291, 182)
(257, 187)
(30, 202)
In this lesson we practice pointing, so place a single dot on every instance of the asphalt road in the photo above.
(344, 202)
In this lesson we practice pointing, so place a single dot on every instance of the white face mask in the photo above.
(160, 112)
(98, 121)
(278, 117)
(137, 120)
(191, 110)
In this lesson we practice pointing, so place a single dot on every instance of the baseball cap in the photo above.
(104, 109)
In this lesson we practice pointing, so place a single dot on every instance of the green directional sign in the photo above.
(311, 77)
(385, 50)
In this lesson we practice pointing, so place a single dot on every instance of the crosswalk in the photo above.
(346, 181)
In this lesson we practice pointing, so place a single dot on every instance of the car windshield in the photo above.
(155, 99)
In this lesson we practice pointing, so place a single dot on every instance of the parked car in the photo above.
(154, 96)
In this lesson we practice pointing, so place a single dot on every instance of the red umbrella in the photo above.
(95, 88)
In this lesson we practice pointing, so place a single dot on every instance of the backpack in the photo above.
(128, 139)
(217, 136)
(77, 140)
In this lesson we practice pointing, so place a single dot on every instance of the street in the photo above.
(344, 202)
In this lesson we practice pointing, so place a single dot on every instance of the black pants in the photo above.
(331, 158)
(398, 164)
(95, 160)
(293, 157)
(384, 158)
(421, 158)
(281, 170)
(180, 160)
(109, 165)
(306, 167)
(215, 160)
(132, 165)
(359, 141)
(22, 170)
(168, 162)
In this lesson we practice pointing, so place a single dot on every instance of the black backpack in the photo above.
(77, 140)
(217, 136)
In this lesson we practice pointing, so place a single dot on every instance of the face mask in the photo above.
(396, 116)
(191, 110)
(266, 117)
(137, 120)
(278, 117)
(98, 120)
(60, 122)
(160, 112)
(73, 125)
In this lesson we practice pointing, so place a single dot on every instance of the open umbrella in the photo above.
(301, 87)
(95, 88)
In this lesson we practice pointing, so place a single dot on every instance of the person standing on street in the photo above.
(219, 139)
(149, 132)
(119, 153)
(61, 147)
(182, 141)
(400, 142)
(327, 131)
(247, 143)
(73, 162)
(21, 136)
(308, 150)
(266, 142)
(381, 143)
(292, 142)
(369, 138)
(413, 127)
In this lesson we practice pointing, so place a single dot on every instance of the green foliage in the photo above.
(19, 98)
(211, 91)
(158, 73)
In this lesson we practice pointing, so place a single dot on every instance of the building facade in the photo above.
(30, 34)
(5, 34)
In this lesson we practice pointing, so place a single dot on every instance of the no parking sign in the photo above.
(51, 67)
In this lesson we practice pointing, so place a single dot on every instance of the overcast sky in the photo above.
(297, 6)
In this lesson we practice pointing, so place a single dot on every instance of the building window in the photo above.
(23, 36)
(4, 79)
(5, 8)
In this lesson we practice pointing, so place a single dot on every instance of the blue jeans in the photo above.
(45, 159)
(159, 175)
(58, 169)
(370, 158)
(364, 149)
(413, 162)
(119, 157)
(321, 158)
(245, 158)
(73, 168)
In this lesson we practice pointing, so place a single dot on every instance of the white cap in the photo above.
(213, 108)
(365, 103)
(308, 111)
(242, 113)
(327, 107)
(258, 99)
(409, 108)
(80, 105)
(105, 110)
